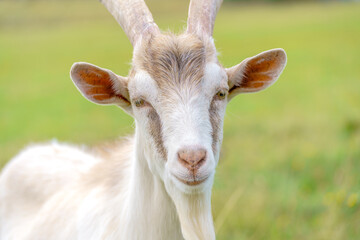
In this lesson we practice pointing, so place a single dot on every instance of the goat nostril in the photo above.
(192, 158)
(201, 162)
(183, 161)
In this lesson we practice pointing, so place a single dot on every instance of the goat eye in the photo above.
(139, 102)
(221, 94)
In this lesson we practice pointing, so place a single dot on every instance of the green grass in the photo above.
(291, 155)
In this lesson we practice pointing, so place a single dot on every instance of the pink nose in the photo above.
(192, 158)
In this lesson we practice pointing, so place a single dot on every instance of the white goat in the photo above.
(156, 185)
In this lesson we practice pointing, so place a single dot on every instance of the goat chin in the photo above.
(194, 212)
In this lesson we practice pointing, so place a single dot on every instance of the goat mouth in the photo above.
(191, 182)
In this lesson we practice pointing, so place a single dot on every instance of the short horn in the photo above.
(133, 16)
(202, 14)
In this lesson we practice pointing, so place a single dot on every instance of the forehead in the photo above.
(175, 62)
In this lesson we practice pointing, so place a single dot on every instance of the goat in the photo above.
(156, 184)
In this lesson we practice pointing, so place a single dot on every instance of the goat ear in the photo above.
(256, 73)
(100, 86)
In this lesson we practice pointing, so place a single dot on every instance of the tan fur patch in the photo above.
(175, 61)
(111, 171)
(215, 120)
(156, 132)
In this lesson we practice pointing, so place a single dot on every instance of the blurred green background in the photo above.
(291, 155)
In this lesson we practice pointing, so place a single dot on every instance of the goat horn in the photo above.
(133, 16)
(202, 14)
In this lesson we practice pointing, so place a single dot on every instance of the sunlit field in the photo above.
(290, 165)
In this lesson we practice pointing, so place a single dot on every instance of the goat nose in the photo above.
(192, 157)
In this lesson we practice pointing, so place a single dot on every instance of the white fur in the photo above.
(31, 178)
(60, 206)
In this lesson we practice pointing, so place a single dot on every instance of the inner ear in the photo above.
(99, 85)
(256, 73)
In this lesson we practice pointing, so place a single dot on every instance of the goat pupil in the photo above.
(221, 94)
(139, 102)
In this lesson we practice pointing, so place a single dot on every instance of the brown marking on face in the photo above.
(156, 132)
(215, 120)
(175, 62)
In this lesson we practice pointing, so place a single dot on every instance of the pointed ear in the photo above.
(100, 86)
(256, 73)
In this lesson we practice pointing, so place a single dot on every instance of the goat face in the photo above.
(177, 92)
(178, 95)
